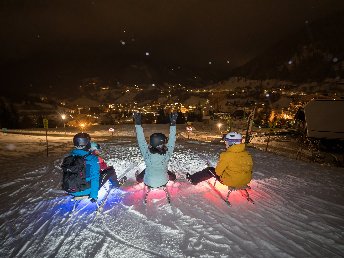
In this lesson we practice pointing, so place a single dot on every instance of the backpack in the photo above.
(74, 174)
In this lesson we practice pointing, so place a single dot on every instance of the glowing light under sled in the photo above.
(149, 189)
(103, 190)
(242, 190)
(84, 205)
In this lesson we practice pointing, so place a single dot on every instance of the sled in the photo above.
(76, 201)
(243, 191)
(79, 198)
(164, 188)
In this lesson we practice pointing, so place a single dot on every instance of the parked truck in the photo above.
(321, 127)
(325, 119)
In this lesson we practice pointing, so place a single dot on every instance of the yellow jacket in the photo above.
(235, 166)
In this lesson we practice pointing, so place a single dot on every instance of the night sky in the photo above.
(55, 41)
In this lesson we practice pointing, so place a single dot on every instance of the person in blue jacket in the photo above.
(82, 147)
(157, 154)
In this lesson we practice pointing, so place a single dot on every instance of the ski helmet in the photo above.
(82, 141)
(157, 139)
(94, 146)
(233, 138)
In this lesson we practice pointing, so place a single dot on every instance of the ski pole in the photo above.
(208, 164)
(126, 171)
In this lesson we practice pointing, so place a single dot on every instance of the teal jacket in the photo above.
(92, 174)
(156, 164)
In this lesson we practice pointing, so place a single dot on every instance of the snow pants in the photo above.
(139, 177)
(108, 174)
(202, 175)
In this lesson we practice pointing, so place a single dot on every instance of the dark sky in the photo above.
(187, 33)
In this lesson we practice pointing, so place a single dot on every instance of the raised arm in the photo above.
(172, 137)
(140, 135)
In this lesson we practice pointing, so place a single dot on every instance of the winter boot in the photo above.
(122, 180)
(188, 178)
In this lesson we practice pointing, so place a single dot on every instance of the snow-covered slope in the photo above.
(298, 211)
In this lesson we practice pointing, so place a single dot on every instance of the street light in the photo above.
(189, 130)
(82, 125)
(219, 126)
(63, 116)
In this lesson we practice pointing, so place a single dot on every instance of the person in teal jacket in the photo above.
(157, 154)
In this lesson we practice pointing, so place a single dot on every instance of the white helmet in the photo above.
(233, 138)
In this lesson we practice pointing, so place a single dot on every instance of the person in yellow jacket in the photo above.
(234, 167)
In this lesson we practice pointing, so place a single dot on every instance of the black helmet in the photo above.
(82, 141)
(157, 139)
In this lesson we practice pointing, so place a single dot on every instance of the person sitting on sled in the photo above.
(92, 184)
(95, 150)
(156, 155)
(234, 168)
(106, 172)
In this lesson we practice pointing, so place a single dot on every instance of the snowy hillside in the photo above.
(298, 210)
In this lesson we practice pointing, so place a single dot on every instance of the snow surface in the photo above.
(298, 210)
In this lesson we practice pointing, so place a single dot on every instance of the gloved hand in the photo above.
(173, 118)
(137, 118)
(93, 200)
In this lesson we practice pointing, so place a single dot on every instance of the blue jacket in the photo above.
(92, 173)
(156, 164)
